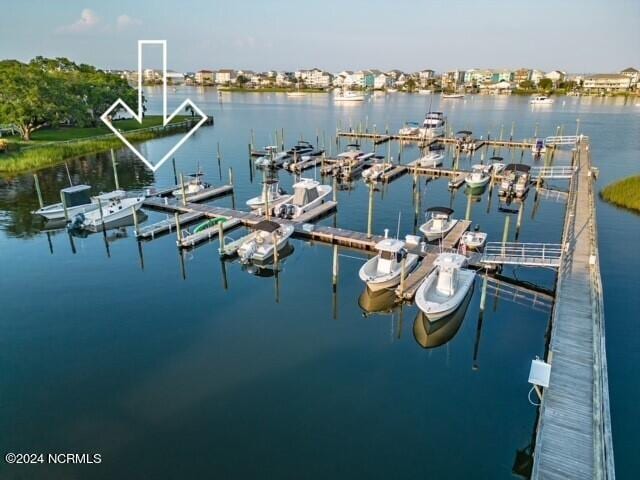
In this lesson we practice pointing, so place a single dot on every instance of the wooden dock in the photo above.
(573, 438)
(206, 194)
(149, 232)
(190, 240)
(415, 278)
(452, 238)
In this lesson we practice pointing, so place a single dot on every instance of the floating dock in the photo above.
(190, 240)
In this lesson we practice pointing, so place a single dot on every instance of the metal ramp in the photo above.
(561, 172)
(562, 140)
(524, 254)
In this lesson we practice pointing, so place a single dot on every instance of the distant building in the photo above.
(521, 75)
(502, 87)
(452, 79)
(633, 74)
(225, 76)
(426, 76)
(315, 78)
(606, 82)
(556, 76)
(536, 76)
(204, 77)
(381, 80)
(475, 77)
(498, 76)
(150, 75)
(175, 78)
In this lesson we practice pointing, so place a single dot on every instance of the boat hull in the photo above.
(432, 235)
(435, 310)
(375, 284)
(56, 211)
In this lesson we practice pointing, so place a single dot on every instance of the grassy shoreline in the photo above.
(50, 147)
(624, 193)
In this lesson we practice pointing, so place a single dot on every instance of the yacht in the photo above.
(478, 177)
(115, 209)
(433, 125)
(385, 269)
(453, 95)
(446, 287)
(541, 100)
(375, 172)
(431, 159)
(77, 200)
(193, 186)
(347, 96)
(473, 240)
(272, 195)
(307, 195)
(410, 128)
(261, 244)
(439, 224)
(539, 147)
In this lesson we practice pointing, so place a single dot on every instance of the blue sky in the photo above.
(572, 35)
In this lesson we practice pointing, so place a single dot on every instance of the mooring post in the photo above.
(282, 139)
(467, 215)
(577, 126)
(64, 207)
(114, 164)
(175, 173)
(221, 237)
(38, 191)
(403, 266)
(501, 131)
(231, 176)
(370, 215)
(184, 194)
(275, 249)
(135, 221)
(101, 213)
(505, 233)
(178, 231)
(483, 296)
(334, 270)
(335, 189)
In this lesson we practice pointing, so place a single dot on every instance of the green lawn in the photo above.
(624, 193)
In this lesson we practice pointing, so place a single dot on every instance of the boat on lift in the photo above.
(446, 287)
(385, 269)
(478, 177)
(272, 195)
(307, 195)
(267, 237)
(439, 224)
(474, 241)
(77, 200)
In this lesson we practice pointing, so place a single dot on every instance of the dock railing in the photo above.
(527, 254)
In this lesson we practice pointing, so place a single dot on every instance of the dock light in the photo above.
(539, 376)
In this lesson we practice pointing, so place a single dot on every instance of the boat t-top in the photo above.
(541, 100)
(439, 224)
(478, 177)
(446, 287)
(263, 241)
(433, 125)
(77, 200)
(307, 194)
(193, 186)
(385, 269)
(272, 195)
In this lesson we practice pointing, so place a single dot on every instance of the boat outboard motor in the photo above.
(291, 210)
(282, 211)
(77, 222)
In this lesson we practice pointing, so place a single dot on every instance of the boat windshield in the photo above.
(387, 255)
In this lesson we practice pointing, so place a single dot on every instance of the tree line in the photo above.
(49, 92)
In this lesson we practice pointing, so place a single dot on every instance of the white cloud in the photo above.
(125, 21)
(88, 21)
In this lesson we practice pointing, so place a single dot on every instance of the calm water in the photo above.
(144, 356)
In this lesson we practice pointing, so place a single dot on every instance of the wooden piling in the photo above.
(370, 214)
(334, 270)
(135, 220)
(64, 206)
(184, 193)
(178, 230)
(483, 296)
(38, 191)
(221, 238)
(175, 173)
(114, 164)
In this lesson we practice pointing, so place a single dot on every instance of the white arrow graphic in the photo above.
(138, 116)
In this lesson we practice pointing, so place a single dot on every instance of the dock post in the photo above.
(403, 266)
(505, 233)
(513, 127)
(282, 139)
(101, 213)
(221, 238)
(38, 191)
(253, 138)
(178, 231)
(231, 176)
(370, 215)
(535, 132)
(334, 270)
(175, 173)
(184, 194)
(275, 249)
(483, 296)
(64, 207)
(135, 221)
(467, 215)
(334, 189)
(519, 219)
(114, 164)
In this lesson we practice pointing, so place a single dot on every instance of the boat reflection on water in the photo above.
(381, 302)
(434, 334)
(475, 192)
(268, 268)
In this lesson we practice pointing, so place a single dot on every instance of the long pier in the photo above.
(573, 437)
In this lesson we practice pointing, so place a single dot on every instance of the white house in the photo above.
(224, 76)
(536, 76)
(381, 80)
(556, 76)
(633, 74)
(606, 82)
(315, 77)
(204, 77)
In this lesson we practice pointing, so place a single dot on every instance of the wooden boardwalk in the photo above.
(453, 237)
(149, 232)
(573, 438)
(415, 278)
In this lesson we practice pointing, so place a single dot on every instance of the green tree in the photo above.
(242, 80)
(527, 85)
(545, 84)
(410, 85)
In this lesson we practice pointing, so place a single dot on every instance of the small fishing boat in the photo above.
(541, 100)
(473, 240)
(193, 186)
(431, 159)
(439, 224)
(115, 209)
(465, 141)
(385, 269)
(522, 183)
(478, 176)
(446, 287)
(307, 194)
(497, 165)
(77, 200)
(271, 195)
(432, 334)
(375, 172)
(539, 147)
(453, 95)
(267, 237)
(433, 125)
(410, 128)
(272, 158)
(347, 96)
(424, 91)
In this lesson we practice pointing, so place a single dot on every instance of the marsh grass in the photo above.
(623, 193)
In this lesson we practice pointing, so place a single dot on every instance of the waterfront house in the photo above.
(536, 76)
(522, 75)
(556, 76)
(502, 87)
(498, 76)
(606, 83)
(633, 74)
(204, 77)
(381, 80)
(314, 78)
(225, 76)
(175, 78)
(425, 77)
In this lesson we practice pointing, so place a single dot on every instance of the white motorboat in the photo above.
(115, 209)
(272, 195)
(478, 176)
(410, 128)
(193, 186)
(424, 91)
(439, 224)
(541, 100)
(307, 194)
(437, 333)
(375, 172)
(521, 186)
(465, 141)
(506, 185)
(347, 96)
(272, 159)
(261, 244)
(497, 166)
(539, 147)
(433, 125)
(77, 200)
(446, 287)
(430, 160)
(385, 269)
(453, 95)
(473, 240)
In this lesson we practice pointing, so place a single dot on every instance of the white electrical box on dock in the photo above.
(539, 373)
